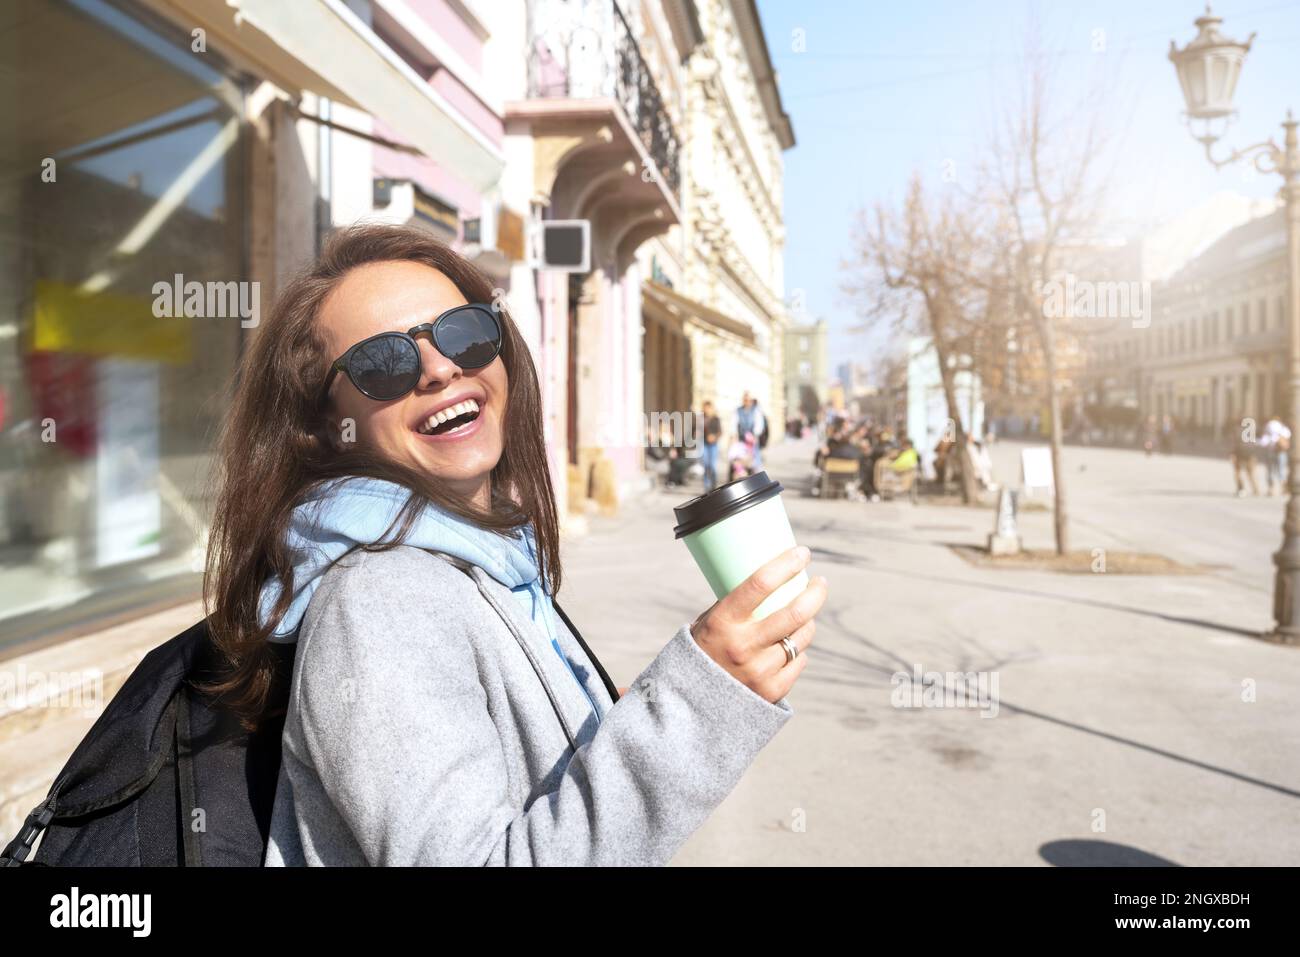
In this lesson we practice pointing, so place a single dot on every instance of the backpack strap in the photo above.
(15, 854)
(185, 779)
(600, 669)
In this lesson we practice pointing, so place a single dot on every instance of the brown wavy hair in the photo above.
(276, 448)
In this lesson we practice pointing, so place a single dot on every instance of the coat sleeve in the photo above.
(408, 753)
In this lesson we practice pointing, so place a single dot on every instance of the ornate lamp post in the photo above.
(1208, 68)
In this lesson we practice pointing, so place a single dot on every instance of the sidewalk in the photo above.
(1120, 698)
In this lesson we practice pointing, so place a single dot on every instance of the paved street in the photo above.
(1120, 734)
(1179, 505)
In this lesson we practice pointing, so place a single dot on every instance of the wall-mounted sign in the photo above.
(106, 324)
(510, 235)
(441, 216)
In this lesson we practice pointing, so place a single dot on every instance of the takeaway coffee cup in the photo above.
(734, 530)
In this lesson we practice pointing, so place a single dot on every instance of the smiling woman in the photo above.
(293, 427)
(390, 512)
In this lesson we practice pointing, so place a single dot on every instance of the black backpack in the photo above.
(165, 777)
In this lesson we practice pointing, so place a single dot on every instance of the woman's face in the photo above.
(393, 297)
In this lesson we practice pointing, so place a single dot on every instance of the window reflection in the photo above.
(384, 366)
(470, 335)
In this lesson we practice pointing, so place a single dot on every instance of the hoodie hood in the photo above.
(360, 511)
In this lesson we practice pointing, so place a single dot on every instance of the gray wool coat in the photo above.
(430, 724)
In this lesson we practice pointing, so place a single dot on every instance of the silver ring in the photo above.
(791, 650)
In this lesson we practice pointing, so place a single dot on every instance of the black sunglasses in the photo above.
(387, 366)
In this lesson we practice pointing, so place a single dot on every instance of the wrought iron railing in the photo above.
(585, 48)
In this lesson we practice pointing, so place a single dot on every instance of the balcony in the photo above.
(583, 50)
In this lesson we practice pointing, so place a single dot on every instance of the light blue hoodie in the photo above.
(352, 511)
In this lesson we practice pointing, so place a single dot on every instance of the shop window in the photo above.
(122, 177)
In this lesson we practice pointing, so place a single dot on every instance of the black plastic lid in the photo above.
(723, 502)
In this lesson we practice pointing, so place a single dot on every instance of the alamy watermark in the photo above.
(208, 300)
(674, 430)
(131, 912)
(977, 690)
(22, 687)
(1070, 297)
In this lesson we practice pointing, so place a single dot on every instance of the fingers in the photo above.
(788, 620)
(749, 594)
(750, 650)
(779, 685)
(773, 658)
(768, 664)
(802, 638)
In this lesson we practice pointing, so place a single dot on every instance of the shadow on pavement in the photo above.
(839, 558)
(1187, 493)
(1112, 606)
(1086, 853)
(1152, 749)
(885, 672)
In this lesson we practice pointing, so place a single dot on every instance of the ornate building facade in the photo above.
(724, 308)
(1214, 351)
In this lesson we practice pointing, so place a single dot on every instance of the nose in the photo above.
(436, 370)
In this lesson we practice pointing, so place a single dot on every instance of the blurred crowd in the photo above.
(712, 449)
(861, 460)
(869, 461)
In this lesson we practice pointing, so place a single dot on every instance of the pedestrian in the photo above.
(1275, 442)
(862, 440)
(750, 421)
(710, 434)
(882, 446)
(981, 462)
(1243, 461)
(678, 467)
(820, 455)
(1149, 433)
(896, 468)
(1167, 434)
(846, 445)
(441, 708)
(943, 459)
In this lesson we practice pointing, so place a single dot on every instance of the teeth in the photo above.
(460, 408)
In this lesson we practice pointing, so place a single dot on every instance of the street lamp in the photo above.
(1208, 68)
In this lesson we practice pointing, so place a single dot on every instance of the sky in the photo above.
(879, 90)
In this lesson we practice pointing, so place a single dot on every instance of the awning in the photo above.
(323, 47)
(675, 307)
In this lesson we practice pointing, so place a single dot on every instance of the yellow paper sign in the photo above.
(106, 324)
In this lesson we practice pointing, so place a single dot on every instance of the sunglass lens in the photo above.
(469, 337)
(386, 368)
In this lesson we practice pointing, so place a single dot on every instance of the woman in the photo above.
(386, 503)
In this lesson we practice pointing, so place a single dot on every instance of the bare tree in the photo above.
(1041, 181)
(913, 267)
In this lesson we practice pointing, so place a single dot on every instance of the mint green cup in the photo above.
(736, 529)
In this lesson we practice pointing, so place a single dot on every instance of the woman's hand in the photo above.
(750, 651)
